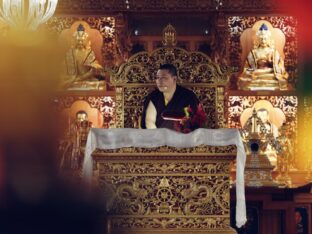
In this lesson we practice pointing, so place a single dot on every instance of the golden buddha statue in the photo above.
(264, 67)
(83, 71)
(79, 134)
(73, 144)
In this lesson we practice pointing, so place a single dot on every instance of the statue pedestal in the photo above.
(259, 85)
(258, 171)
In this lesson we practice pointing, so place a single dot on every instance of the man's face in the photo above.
(165, 81)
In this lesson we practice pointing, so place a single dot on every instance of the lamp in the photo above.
(26, 14)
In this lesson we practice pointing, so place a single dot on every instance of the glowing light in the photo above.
(26, 14)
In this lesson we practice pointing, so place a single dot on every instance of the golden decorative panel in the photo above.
(66, 101)
(106, 105)
(169, 36)
(136, 78)
(71, 145)
(211, 150)
(288, 104)
(288, 25)
(193, 67)
(133, 104)
(167, 195)
(104, 24)
(212, 225)
(165, 188)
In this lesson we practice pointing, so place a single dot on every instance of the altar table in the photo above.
(159, 180)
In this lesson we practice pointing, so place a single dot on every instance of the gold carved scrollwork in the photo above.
(220, 108)
(214, 224)
(167, 195)
(119, 107)
(193, 67)
(169, 36)
(148, 168)
(129, 104)
(166, 188)
(168, 150)
(66, 101)
(133, 104)
(172, 197)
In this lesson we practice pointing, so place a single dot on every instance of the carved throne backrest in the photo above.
(196, 71)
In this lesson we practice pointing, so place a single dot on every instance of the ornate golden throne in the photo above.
(170, 182)
(196, 71)
(153, 190)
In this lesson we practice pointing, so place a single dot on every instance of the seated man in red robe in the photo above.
(169, 99)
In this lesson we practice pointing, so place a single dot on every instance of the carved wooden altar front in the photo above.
(165, 189)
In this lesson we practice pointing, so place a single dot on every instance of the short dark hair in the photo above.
(171, 68)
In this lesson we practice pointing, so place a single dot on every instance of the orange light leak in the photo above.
(302, 10)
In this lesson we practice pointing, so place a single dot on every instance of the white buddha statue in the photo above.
(270, 128)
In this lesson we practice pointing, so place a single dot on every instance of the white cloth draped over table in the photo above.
(150, 138)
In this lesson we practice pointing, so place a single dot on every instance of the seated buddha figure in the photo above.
(264, 67)
(83, 71)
